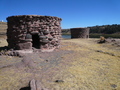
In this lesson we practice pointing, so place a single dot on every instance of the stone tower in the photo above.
(33, 31)
(79, 32)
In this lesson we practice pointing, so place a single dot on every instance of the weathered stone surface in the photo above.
(37, 30)
(79, 32)
(36, 85)
(33, 85)
(21, 46)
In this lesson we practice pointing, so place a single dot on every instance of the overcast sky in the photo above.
(74, 13)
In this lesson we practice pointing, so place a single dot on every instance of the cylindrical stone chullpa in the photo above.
(79, 32)
(28, 31)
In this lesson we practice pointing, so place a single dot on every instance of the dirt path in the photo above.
(80, 64)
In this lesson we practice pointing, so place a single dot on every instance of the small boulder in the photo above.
(102, 40)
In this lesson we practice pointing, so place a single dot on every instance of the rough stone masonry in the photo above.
(28, 31)
(79, 32)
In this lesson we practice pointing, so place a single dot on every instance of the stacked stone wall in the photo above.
(21, 29)
(79, 32)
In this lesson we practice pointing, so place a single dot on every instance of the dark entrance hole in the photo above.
(25, 88)
(87, 36)
(35, 41)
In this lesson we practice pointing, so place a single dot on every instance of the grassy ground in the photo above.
(98, 35)
(3, 27)
(3, 41)
(105, 35)
(81, 64)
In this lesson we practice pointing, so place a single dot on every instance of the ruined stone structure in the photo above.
(79, 32)
(27, 31)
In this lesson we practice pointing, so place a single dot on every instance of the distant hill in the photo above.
(65, 31)
(3, 28)
(104, 29)
(3, 25)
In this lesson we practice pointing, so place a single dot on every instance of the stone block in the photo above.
(22, 46)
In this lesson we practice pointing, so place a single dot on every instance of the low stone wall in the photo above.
(79, 32)
(27, 31)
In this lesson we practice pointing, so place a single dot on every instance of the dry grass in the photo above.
(86, 69)
(3, 41)
(3, 25)
(2, 31)
(83, 69)
(13, 80)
